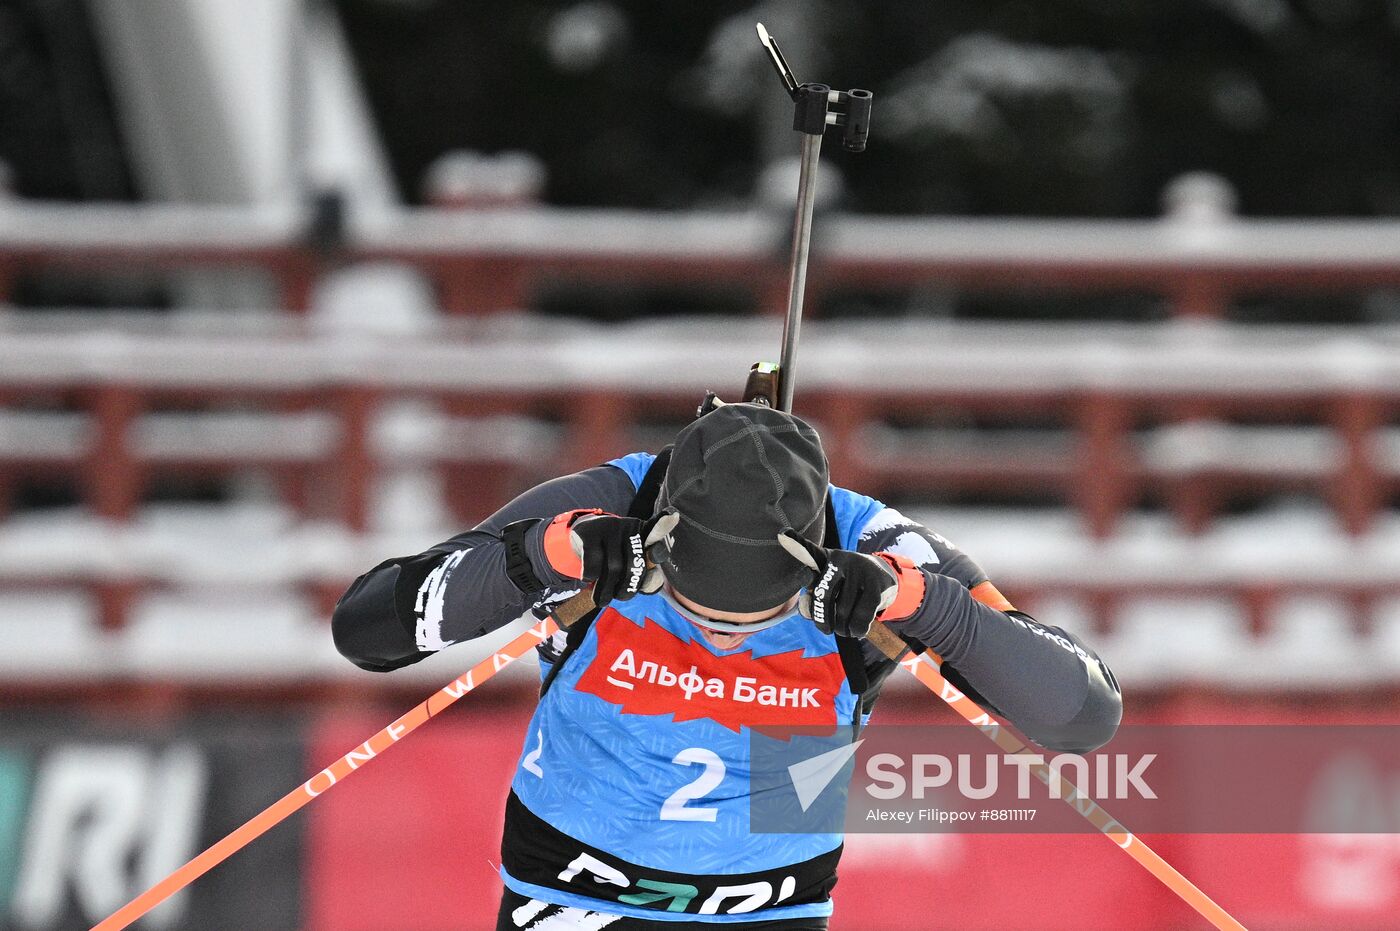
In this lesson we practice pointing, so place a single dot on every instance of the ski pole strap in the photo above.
(518, 568)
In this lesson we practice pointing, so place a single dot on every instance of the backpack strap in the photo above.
(850, 650)
(641, 508)
(645, 503)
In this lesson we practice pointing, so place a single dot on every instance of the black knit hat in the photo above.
(739, 476)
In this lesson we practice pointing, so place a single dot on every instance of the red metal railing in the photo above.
(492, 260)
(1106, 421)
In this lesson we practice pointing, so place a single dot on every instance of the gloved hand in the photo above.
(621, 556)
(849, 591)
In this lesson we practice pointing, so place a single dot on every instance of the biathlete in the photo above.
(734, 585)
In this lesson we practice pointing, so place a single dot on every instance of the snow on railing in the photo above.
(1099, 418)
(489, 260)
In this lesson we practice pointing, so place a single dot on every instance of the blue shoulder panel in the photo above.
(853, 512)
(635, 465)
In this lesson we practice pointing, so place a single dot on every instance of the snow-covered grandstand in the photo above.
(1191, 478)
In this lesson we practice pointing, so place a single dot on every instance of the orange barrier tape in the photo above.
(329, 777)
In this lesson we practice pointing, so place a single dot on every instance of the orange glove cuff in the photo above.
(910, 594)
(559, 548)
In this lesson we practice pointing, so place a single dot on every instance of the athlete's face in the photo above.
(726, 640)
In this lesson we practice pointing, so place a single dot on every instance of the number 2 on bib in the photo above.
(674, 808)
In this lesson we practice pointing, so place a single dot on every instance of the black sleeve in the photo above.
(1041, 679)
(410, 607)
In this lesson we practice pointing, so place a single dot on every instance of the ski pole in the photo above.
(564, 615)
(925, 668)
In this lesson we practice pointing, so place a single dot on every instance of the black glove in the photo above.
(849, 591)
(619, 555)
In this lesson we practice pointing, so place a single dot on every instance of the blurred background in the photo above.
(288, 287)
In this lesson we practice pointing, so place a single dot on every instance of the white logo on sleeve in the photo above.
(916, 548)
(912, 542)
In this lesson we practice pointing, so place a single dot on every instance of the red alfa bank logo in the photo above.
(649, 670)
